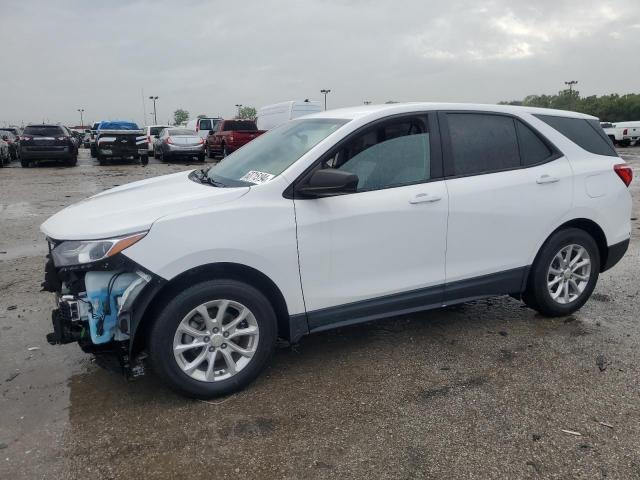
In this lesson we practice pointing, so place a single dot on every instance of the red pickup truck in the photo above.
(230, 135)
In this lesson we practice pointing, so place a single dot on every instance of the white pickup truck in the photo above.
(622, 133)
(627, 133)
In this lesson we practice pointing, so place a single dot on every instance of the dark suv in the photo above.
(47, 142)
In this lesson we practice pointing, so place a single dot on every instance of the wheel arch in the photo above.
(587, 225)
(212, 271)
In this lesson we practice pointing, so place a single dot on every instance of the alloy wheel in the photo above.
(568, 274)
(216, 340)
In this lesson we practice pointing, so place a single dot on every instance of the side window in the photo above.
(389, 155)
(532, 149)
(582, 132)
(482, 143)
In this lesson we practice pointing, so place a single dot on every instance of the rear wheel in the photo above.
(201, 157)
(25, 163)
(564, 274)
(213, 339)
(155, 153)
(144, 160)
(209, 152)
(225, 152)
(72, 161)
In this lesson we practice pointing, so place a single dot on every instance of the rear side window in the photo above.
(482, 143)
(155, 130)
(587, 134)
(43, 130)
(532, 149)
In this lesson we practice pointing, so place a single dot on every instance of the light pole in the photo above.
(81, 110)
(325, 91)
(238, 106)
(155, 116)
(571, 83)
(367, 102)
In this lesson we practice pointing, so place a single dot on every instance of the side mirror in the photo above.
(328, 182)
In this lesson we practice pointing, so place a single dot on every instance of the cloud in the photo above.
(206, 56)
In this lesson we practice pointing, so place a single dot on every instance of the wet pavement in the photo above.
(482, 390)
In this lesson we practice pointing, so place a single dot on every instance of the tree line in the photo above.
(608, 108)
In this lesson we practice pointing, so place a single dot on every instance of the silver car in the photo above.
(175, 143)
(4, 153)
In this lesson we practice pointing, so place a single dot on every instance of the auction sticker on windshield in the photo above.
(256, 177)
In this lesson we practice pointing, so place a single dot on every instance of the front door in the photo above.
(380, 250)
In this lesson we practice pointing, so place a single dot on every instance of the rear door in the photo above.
(379, 250)
(507, 186)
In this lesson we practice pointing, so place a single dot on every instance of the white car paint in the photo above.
(364, 245)
(151, 137)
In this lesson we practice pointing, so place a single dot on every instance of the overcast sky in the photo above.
(206, 56)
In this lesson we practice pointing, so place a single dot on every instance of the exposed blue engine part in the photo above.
(104, 293)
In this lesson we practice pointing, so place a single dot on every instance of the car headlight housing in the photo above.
(79, 252)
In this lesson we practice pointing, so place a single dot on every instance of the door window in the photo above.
(482, 143)
(389, 155)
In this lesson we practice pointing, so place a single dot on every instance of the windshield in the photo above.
(272, 153)
(43, 131)
(155, 130)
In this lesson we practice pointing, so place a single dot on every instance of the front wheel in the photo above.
(564, 274)
(213, 338)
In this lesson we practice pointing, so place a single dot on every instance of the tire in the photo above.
(72, 161)
(209, 152)
(144, 160)
(164, 334)
(224, 151)
(24, 163)
(94, 151)
(101, 160)
(538, 295)
(155, 153)
(201, 158)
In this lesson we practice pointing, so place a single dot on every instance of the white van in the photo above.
(273, 115)
(203, 125)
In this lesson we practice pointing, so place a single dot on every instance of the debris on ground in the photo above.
(12, 376)
(12, 307)
(31, 349)
(3, 445)
(605, 424)
(503, 333)
(571, 432)
(601, 362)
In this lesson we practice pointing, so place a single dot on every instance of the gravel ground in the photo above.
(482, 390)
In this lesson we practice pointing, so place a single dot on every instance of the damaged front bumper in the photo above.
(100, 306)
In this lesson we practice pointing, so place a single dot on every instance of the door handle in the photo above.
(424, 198)
(547, 179)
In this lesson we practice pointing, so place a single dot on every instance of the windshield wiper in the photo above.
(202, 177)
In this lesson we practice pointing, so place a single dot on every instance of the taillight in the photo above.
(624, 172)
(201, 140)
(169, 140)
(25, 138)
(148, 138)
(625, 131)
(231, 138)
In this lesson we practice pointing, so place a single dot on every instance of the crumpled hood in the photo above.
(134, 207)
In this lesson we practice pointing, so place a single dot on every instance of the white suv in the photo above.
(334, 219)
